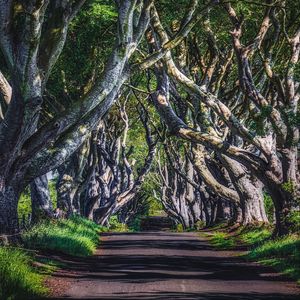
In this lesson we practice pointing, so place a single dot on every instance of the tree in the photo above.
(272, 156)
(32, 38)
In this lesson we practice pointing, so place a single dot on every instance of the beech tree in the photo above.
(41, 204)
(180, 195)
(227, 86)
(32, 38)
(272, 156)
(114, 179)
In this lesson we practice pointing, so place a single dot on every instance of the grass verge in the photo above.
(22, 275)
(76, 236)
(18, 278)
(283, 253)
(222, 240)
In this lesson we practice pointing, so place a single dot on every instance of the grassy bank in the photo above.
(18, 278)
(22, 275)
(282, 253)
(75, 236)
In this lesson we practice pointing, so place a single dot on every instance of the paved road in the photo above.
(162, 265)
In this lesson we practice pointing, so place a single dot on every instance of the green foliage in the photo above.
(101, 11)
(254, 236)
(289, 186)
(76, 236)
(18, 279)
(222, 240)
(200, 224)
(283, 254)
(155, 207)
(248, 235)
(294, 219)
(179, 228)
(91, 36)
(135, 224)
(24, 205)
(269, 207)
(53, 192)
(115, 225)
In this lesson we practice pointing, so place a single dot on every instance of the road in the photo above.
(164, 265)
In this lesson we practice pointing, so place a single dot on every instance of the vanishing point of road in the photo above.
(165, 265)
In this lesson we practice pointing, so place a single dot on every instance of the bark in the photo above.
(114, 183)
(200, 157)
(181, 196)
(249, 190)
(70, 181)
(138, 206)
(41, 203)
(265, 163)
(28, 151)
(282, 200)
(9, 224)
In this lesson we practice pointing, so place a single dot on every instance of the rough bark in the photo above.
(265, 163)
(41, 203)
(249, 190)
(9, 223)
(28, 151)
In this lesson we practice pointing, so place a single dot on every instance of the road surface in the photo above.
(164, 265)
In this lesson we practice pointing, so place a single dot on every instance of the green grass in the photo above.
(76, 236)
(283, 254)
(222, 240)
(24, 204)
(47, 266)
(116, 226)
(18, 278)
(21, 276)
(254, 236)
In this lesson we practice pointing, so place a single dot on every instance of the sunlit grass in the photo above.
(18, 278)
(222, 240)
(254, 236)
(75, 236)
(283, 254)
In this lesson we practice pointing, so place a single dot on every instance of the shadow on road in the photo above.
(130, 266)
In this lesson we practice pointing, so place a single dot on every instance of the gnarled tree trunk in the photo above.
(9, 196)
(40, 199)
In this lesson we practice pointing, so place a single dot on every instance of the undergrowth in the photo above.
(116, 226)
(22, 275)
(76, 236)
(222, 240)
(282, 253)
(18, 278)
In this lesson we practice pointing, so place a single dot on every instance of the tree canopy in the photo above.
(192, 103)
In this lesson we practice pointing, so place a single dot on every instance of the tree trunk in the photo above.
(64, 194)
(92, 197)
(40, 199)
(102, 214)
(249, 190)
(237, 215)
(9, 197)
(282, 203)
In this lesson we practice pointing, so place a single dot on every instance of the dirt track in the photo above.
(163, 265)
